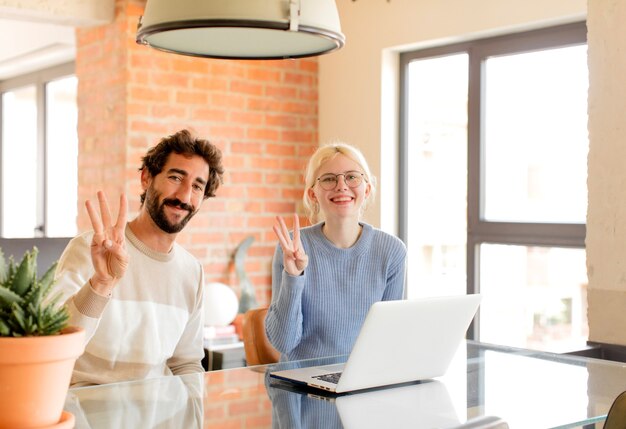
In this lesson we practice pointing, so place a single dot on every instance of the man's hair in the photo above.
(184, 143)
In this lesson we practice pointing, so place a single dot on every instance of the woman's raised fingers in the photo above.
(281, 231)
(283, 226)
(296, 231)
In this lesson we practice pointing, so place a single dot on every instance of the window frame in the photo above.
(480, 231)
(39, 79)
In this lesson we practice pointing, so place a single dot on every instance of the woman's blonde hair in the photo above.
(322, 155)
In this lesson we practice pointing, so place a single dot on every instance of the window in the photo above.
(493, 181)
(39, 148)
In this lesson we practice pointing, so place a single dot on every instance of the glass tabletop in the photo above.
(525, 389)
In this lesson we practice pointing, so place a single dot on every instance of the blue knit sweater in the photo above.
(320, 312)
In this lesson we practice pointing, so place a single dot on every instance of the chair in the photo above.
(616, 418)
(257, 347)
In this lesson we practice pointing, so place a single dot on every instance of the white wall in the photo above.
(63, 12)
(36, 34)
(606, 183)
(359, 106)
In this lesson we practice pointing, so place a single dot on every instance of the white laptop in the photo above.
(399, 342)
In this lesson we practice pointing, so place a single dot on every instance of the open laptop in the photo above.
(399, 342)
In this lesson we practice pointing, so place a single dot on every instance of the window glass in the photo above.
(437, 175)
(535, 136)
(493, 177)
(533, 297)
(61, 158)
(20, 175)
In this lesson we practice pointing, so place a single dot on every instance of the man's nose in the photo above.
(184, 191)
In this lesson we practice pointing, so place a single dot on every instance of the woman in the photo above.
(326, 277)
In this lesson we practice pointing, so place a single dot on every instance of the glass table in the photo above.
(525, 389)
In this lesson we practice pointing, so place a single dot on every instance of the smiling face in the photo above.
(341, 201)
(174, 195)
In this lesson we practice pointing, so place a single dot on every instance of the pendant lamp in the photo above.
(242, 29)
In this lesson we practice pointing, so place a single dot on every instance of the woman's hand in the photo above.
(294, 258)
(108, 246)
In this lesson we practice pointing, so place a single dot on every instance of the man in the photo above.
(134, 290)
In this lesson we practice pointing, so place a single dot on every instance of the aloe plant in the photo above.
(25, 309)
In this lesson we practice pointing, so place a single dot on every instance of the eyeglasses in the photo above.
(329, 181)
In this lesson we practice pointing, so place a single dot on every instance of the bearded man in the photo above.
(135, 291)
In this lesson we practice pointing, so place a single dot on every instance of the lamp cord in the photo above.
(294, 15)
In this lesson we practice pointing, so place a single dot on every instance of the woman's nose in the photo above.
(341, 184)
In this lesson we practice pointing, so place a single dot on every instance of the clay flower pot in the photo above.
(35, 374)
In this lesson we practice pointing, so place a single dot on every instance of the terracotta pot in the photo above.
(35, 374)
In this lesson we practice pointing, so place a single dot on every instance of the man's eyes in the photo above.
(196, 186)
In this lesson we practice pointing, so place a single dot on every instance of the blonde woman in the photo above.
(325, 277)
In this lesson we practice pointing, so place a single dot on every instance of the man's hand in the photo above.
(108, 247)
(294, 258)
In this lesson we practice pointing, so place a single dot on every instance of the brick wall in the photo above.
(262, 115)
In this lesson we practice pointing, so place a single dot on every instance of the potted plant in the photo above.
(37, 347)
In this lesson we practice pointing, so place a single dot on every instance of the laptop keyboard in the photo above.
(329, 378)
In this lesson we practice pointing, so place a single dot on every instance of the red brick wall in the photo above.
(262, 115)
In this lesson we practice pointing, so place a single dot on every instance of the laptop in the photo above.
(400, 342)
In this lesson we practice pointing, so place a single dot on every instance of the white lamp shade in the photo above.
(220, 305)
(242, 29)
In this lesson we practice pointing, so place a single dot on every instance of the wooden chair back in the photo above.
(258, 349)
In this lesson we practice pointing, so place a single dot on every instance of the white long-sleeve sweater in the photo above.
(151, 325)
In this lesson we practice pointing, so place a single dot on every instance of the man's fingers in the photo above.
(104, 210)
(116, 265)
(96, 223)
(121, 215)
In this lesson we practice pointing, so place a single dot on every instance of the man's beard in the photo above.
(157, 211)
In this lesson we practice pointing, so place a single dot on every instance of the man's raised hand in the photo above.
(108, 246)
